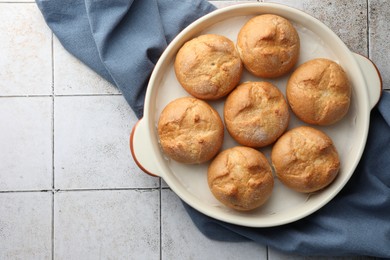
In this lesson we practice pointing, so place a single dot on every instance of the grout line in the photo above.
(25, 96)
(106, 189)
(53, 95)
(80, 189)
(24, 191)
(82, 95)
(52, 225)
(52, 144)
(61, 95)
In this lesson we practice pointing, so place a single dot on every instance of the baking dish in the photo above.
(189, 182)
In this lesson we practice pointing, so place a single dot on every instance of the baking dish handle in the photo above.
(372, 77)
(142, 155)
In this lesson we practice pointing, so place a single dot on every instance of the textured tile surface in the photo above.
(25, 51)
(91, 144)
(182, 240)
(26, 143)
(17, 1)
(380, 37)
(121, 215)
(25, 225)
(71, 76)
(348, 19)
(220, 4)
(106, 225)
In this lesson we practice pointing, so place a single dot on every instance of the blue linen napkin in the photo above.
(122, 40)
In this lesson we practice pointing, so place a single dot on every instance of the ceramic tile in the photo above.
(380, 38)
(348, 19)
(106, 225)
(91, 144)
(164, 184)
(25, 225)
(182, 240)
(26, 143)
(92, 123)
(25, 51)
(220, 4)
(71, 76)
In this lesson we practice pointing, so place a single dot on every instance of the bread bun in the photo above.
(256, 114)
(268, 45)
(190, 131)
(208, 67)
(319, 92)
(241, 178)
(305, 159)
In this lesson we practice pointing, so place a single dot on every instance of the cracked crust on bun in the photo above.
(256, 114)
(241, 178)
(305, 159)
(208, 67)
(269, 45)
(319, 92)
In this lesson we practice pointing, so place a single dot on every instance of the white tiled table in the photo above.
(69, 188)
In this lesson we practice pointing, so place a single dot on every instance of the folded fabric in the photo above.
(122, 41)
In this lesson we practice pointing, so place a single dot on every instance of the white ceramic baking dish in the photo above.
(189, 182)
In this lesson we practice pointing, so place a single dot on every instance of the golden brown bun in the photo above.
(208, 67)
(190, 130)
(268, 45)
(319, 92)
(241, 178)
(305, 159)
(256, 114)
